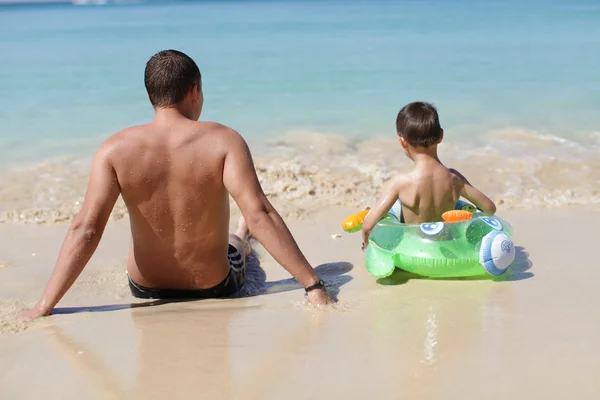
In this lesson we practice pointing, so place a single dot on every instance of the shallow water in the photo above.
(73, 74)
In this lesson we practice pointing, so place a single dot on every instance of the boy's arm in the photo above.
(469, 192)
(240, 180)
(387, 200)
(83, 235)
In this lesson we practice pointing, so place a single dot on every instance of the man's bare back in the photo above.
(175, 175)
(178, 205)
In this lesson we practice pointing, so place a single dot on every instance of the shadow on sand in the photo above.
(334, 275)
(519, 270)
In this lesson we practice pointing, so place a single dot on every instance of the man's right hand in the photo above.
(319, 297)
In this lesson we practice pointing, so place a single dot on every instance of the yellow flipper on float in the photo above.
(354, 222)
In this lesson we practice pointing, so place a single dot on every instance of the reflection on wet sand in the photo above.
(98, 375)
(192, 347)
(232, 349)
(424, 335)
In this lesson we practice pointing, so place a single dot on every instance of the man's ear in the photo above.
(441, 136)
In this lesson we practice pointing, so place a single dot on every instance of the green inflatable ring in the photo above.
(480, 245)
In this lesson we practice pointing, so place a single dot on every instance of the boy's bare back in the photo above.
(427, 192)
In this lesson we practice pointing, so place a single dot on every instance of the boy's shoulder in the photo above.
(401, 180)
(457, 175)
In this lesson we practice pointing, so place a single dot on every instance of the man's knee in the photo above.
(240, 244)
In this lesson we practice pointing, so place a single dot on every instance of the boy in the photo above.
(430, 189)
(175, 175)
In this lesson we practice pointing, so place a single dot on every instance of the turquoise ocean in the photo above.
(502, 73)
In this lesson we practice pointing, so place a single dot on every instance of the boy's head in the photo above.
(173, 79)
(418, 125)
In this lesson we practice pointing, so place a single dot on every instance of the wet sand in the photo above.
(533, 333)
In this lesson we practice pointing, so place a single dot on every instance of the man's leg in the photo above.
(239, 239)
(238, 251)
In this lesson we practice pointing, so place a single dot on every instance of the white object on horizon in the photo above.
(89, 2)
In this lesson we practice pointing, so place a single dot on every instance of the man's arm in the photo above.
(469, 192)
(83, 235)
(387, 200)
(239, 177)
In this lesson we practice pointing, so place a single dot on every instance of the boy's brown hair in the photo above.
(418, 123)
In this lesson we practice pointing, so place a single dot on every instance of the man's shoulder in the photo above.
(222, 136)
(216, 128)
(125, 134)
(123, 140)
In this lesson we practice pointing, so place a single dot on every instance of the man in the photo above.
(175, 175)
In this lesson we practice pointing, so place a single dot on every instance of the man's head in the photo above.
(173, 80)
(418, 125)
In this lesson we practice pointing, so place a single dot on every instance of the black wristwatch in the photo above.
(318, 285)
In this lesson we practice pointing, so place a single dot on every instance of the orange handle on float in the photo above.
(456, 215)
(354, 222)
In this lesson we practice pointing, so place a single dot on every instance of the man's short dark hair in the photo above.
(169, 76)
(418, 123)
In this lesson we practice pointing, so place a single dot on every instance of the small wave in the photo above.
(526, 135)
(306, 171)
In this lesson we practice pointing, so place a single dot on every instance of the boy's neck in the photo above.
(424, 155)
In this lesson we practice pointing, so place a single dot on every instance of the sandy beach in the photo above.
(531, 333)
